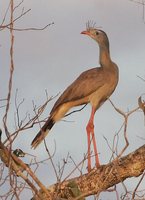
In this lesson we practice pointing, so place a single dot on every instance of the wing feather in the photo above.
(87, 83)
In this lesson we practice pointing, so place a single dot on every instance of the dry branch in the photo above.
(99, 179)
(17, 166)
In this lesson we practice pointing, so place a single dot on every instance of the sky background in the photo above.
(51, 59)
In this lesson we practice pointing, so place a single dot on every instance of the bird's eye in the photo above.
(97, 33)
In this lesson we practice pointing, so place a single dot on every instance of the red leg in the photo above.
(95, 149)
(89, 150)
(90, 130)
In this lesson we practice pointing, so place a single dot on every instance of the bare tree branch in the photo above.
(126, 116)
(141, 2)
(98, 180)
(18, 166)
(32, 28)
(11, 72)
(23, 13)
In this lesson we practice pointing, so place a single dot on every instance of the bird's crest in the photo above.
(91, 25)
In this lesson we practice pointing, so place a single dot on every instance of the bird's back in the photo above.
(87, 84)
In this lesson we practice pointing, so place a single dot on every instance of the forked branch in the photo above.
(100, 179)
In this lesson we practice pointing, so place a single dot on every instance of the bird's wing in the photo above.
(87, 83)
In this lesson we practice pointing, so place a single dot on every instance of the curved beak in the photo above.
(86, 33)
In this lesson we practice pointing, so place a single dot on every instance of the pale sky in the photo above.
(51, 59)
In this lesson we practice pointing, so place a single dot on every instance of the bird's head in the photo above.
(98, 35)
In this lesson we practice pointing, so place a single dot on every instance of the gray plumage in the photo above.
(93, 86)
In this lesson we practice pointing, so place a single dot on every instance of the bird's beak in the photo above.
(86, 33)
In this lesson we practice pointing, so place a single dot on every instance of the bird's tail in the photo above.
(42, 133)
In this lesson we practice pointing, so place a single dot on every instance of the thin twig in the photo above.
(76, 111)
(5, 15)
(51, 160)
(126, 116)
(11, 73)
(135, 190)
(32, 29)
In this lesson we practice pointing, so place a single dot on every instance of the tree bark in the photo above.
(99, 179)
(94, 182)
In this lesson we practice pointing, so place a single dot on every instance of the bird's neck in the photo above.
(105, 59)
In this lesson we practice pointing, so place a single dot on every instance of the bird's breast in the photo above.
(98, 97)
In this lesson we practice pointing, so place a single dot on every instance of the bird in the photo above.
(93, 86)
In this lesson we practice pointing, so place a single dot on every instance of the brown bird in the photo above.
(93, 86)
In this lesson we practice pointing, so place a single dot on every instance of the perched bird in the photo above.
(93, 86)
